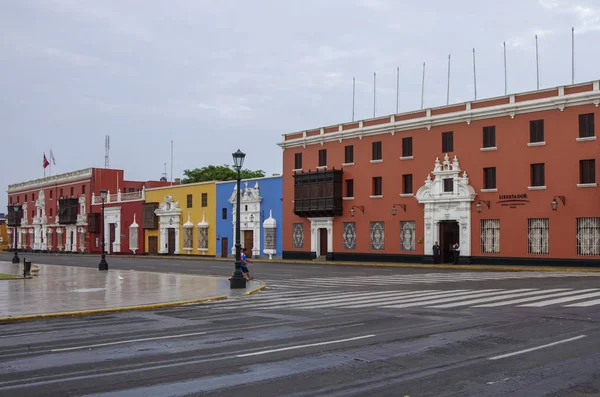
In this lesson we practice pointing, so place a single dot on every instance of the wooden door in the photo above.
(171, 243)
(153, 245)
(449, 235)
(248, 242)
(224, 247)
(111, 239)
(322, 242)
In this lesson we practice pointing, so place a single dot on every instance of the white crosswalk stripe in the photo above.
(273, 299)
(425, 278)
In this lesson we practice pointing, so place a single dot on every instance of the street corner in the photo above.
(254, 286)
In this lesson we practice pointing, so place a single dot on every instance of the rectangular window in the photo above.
(61, 193)
(349, 187)
(32, 196)
(224, 213)
(25, 199)
(407, 184)
(131, 190)
(490, 236)
(189, 201)
(536, 131)
(586, 125)
(447, 142)
(407, 147)
(10, 200)
(407, 236)
(298, 161)
(50, 211)
(32, 214)
(51, 193)
(72, 191)
(18, 198)
(489, 178)
(588, 236)
(587, 171)
(377, 155)
(349, 154)
(489, 136)
(377, 188)
(323, 158)
(537, 236)
(537, 175)
(448, 185)
(82, 189)
(205, 199)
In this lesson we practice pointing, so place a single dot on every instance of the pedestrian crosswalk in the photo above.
(425, 278)
(426, 298)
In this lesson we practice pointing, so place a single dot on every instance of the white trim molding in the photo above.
(347, 198)
(407, 158)
(68, 177)
(488, 190)
(407, 195)
(536, 187)
(488, 149)
(347, 164)
(169, 215)
(587, 185)
(380, 196)
(534, 144)
(586, 138)
(510, 109)
(250, 216)
(315, 238)
(376, 161)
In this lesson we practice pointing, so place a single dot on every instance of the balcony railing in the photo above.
(120, 197)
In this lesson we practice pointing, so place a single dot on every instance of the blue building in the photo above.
(260, 217)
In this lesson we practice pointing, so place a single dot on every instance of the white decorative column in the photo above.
(162, 240)
(81, 232)
(37, 237)
(31, 238)
(73, 233)
(133, 236)
(270, 226)
(22, 242)
(188, 235)
(59, 238)
(49, 245)
(176, 240)
(44, 237)
(203, 235)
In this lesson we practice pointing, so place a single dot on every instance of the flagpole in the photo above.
(537, 62)
(423, 86)
(353, 95)
(397, 88)
(474, 75)
(505, 77)
(573, 55)
(448, 90)
(374, 91)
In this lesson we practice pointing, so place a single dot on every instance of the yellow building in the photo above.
(4, 240)
(180, 219)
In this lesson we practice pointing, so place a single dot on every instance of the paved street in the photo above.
(323, 331)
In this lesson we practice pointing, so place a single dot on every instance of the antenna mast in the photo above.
(106, 150)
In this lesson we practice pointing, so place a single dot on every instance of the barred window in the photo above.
(588, 236)
(537, 236)
(490, 236)
(407, 235)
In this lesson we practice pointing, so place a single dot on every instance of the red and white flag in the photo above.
(46, 163)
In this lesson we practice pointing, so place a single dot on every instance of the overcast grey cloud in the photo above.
(218, 75)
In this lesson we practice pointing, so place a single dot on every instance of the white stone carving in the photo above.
(188, 235)
(169, 215)
(203, 235)
(315, 241)
(250, 203)
(81, 217)
(440, 205)
(270, 226)
(134, 244)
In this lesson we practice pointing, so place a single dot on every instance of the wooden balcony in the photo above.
(318, 194)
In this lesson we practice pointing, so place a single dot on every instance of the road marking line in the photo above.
(585, 304)
(368, 301)
(536, 298)
(537, 348)
(561, 300)
(448, 297)
(495, 298)
(303, 346)
(126, 341)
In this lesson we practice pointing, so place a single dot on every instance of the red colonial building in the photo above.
(53, 214)
(511, 179)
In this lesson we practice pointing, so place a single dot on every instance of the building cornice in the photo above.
(69, 177)
(558, 102)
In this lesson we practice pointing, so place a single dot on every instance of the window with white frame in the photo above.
(588, 236)
(537, 236)
(407, 235)
(490, 236)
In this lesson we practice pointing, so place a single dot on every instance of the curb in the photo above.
(109, 310)
(263, 286)
(363, 264)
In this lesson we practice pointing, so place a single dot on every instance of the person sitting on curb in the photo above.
(244, 262)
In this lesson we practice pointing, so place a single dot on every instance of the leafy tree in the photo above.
(218, 173)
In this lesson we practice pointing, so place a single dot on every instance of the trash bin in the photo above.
(26, 268)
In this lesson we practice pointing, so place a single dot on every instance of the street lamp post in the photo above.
(16, 257)
(103, 264)
(238, 280)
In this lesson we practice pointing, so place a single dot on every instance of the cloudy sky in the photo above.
(219, 75)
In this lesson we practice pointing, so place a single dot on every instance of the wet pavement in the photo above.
(60, 289)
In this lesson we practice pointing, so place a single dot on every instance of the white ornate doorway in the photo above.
(447, 198)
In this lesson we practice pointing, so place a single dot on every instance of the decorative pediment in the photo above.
(168, 207)
(447, 184)
(41, 201)
(247, 195)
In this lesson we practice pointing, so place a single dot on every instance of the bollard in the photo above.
(26, 268)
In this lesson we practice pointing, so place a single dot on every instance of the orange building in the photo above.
(510, 179)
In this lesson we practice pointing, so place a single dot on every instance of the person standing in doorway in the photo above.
(456, 253)
(436, 253)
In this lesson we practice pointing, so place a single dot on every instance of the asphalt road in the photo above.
(323, 331)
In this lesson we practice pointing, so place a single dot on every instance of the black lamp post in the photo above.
(238, 280)
(103, 265)
(15, 211)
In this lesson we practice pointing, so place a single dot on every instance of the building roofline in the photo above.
(251, 179)
(510, 105)
(179, 186)
(67, 177)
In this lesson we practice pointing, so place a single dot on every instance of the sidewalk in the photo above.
(67, 290)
